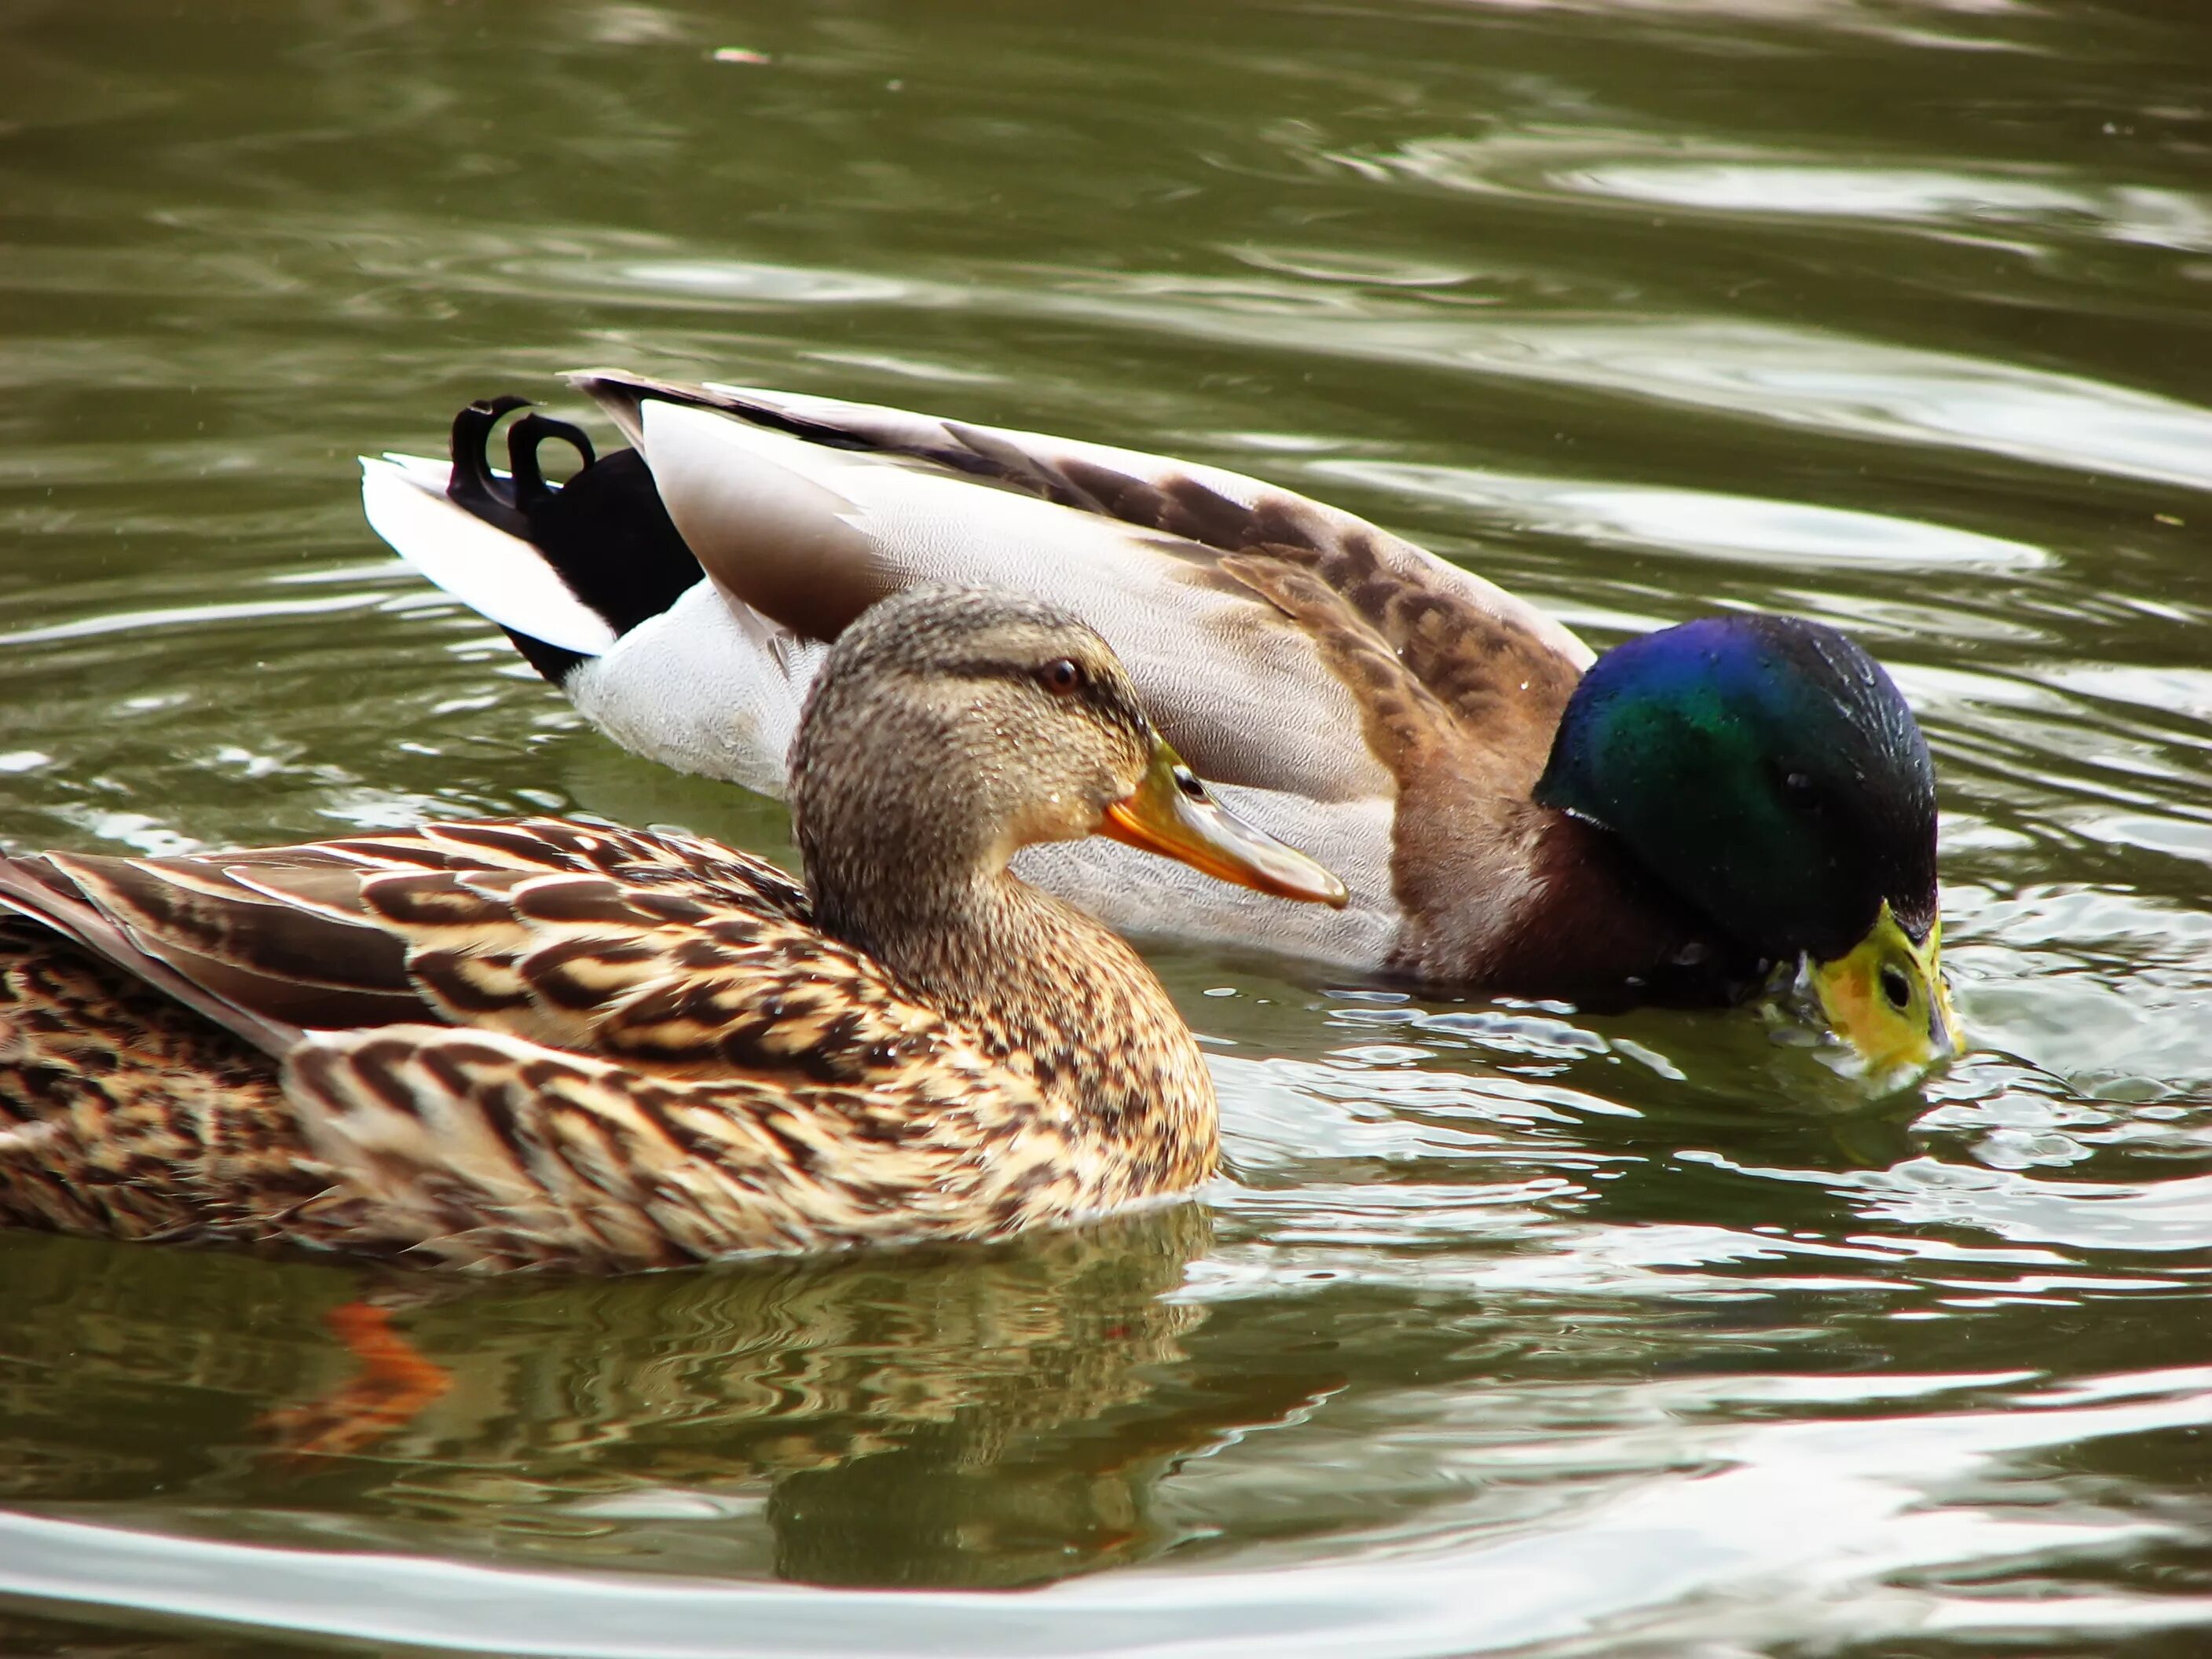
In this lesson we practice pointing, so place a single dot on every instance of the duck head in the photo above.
(1767, 770)
(951, 727)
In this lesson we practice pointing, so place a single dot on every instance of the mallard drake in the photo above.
(1685, 819)
(507, 1043)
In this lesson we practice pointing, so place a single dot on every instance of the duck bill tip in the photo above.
(1173, 815)
(1886, 997)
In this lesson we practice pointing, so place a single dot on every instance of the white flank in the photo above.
(707, 687)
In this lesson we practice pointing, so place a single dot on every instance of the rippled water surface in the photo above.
(1510, 1328)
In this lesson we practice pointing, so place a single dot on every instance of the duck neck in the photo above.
(1606, 932)
(1036, 983)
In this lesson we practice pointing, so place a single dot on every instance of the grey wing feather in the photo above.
(808, 509)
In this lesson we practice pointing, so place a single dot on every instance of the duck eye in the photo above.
(1062, 677)
(1798, 787)
(1897, 988)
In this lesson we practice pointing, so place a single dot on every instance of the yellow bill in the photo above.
(1173, 814)
(1886, 997)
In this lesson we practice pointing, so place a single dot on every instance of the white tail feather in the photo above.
(498, 575)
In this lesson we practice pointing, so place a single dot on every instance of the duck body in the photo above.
(552, 1041)
(1344, 689)
(543, 1041)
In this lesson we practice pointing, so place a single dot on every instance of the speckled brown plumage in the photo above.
(552, 1041)
(90, 1143)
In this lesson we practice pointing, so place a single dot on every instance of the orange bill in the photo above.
(1173, 814)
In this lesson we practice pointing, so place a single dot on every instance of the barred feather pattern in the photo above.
(535, 1042)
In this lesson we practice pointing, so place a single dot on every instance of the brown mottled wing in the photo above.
(680, 979)
(433, 922)
(486, 1151)
(263, 966)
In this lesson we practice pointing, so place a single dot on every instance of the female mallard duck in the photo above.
(1673, 821)
(653, 1050)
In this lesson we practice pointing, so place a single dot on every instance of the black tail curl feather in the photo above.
(604, 531)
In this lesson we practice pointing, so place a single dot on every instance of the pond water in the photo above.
(1508, 1330)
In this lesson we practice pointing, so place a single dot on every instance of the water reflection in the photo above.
(979, 1418)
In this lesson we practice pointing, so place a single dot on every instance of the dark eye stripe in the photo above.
(1108, 701)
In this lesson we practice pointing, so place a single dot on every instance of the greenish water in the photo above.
(1509, 1329)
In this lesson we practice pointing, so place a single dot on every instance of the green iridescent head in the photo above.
(1768, 771)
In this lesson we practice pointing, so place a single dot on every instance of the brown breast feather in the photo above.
(1496, 892)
